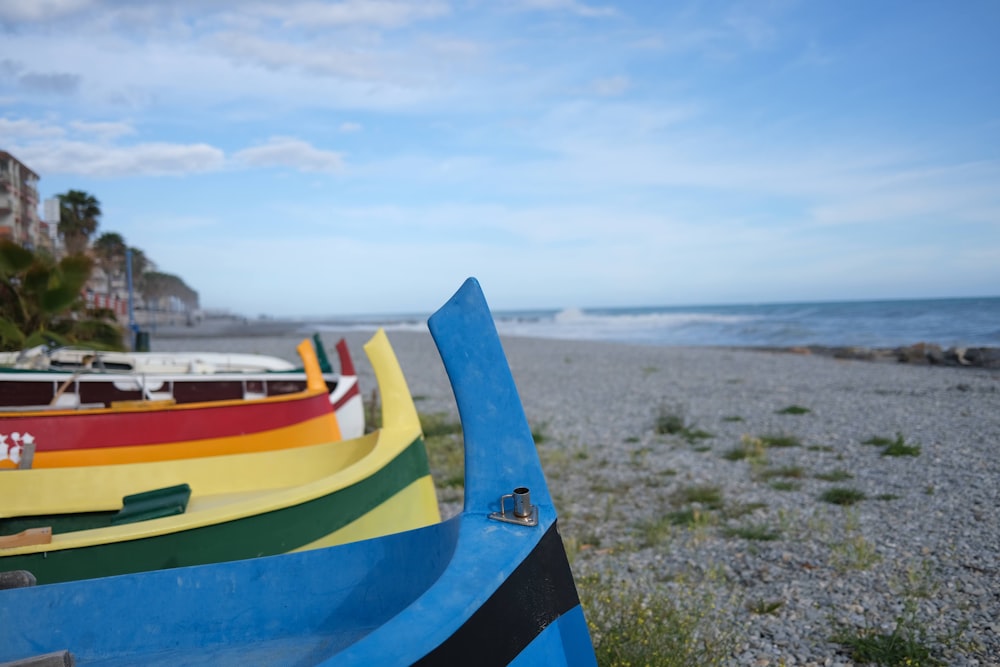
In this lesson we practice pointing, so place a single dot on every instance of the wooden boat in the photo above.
(69, 378)
(73, 523)
(490, 586)
(161, 429)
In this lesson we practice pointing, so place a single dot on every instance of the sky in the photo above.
(306, 158)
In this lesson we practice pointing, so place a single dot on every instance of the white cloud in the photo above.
(279, 55)
(22, 128)
(349, 127)
(100, 160)
(290, 152)
(571, 6)
(38, 11)
(378, 13)
(103, 130)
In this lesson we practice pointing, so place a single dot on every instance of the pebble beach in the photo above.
(710, 473)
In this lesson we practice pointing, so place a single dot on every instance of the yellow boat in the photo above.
(76, 523)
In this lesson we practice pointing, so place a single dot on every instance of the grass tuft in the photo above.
(751, 449)
(840, 495)
(707, 495)
(794, 410)
(445, 452)
(756, 532)
(775, 440)
(762, 607)
(670, 421)
(834, 476)
(899, 448)
(675, 626)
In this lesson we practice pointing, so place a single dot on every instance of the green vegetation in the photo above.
(41, 302)
(794, 410)
(41, 297)
(893, 446)
(445, 449)
(785, 485)
(899, 448)
(709, 496)
(672, 422)
(834, 476)
(903, 647)
(757, 532)
(667, 626)
(775, 440)
(762, 607)
(853, 551)
(792, 472)
(840, 495)
(751, 449)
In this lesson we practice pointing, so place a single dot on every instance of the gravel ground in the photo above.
(924, 543)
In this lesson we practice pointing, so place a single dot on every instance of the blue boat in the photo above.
(490, 586)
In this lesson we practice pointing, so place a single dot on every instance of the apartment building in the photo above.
(19, 205)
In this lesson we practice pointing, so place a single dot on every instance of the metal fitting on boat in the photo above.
(524, 513)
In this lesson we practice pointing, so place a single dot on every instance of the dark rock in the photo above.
(920, 353)
(983, 357)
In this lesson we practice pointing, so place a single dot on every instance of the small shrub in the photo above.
(854, 552)
(691, 518)
(757, 532)
(780, 441)
(905, 645)
(675, 626)
(737, 510)
(785, 485)
(840, 495)
(539, 433)
(868, 646)
(762, 607)
(669, 423)
(672, 422)
(709, 496)
(899, 448)
(793, 410)
(654, 532)
(732, 418)
(749, 448)
(793, 472)
(834, 476)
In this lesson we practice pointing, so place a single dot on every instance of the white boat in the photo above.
(82, 379)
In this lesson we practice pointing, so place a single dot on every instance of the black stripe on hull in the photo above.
(536, 594)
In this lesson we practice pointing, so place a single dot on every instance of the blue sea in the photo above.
(969, 322)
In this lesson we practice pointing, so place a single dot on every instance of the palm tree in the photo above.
(78, 219)
(109, 251)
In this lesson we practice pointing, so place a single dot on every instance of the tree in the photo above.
(78, 219)
(41, 302)
(157, 286)
(109, 252)
(140, 265)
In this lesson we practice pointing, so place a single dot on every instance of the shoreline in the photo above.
(921, 353)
